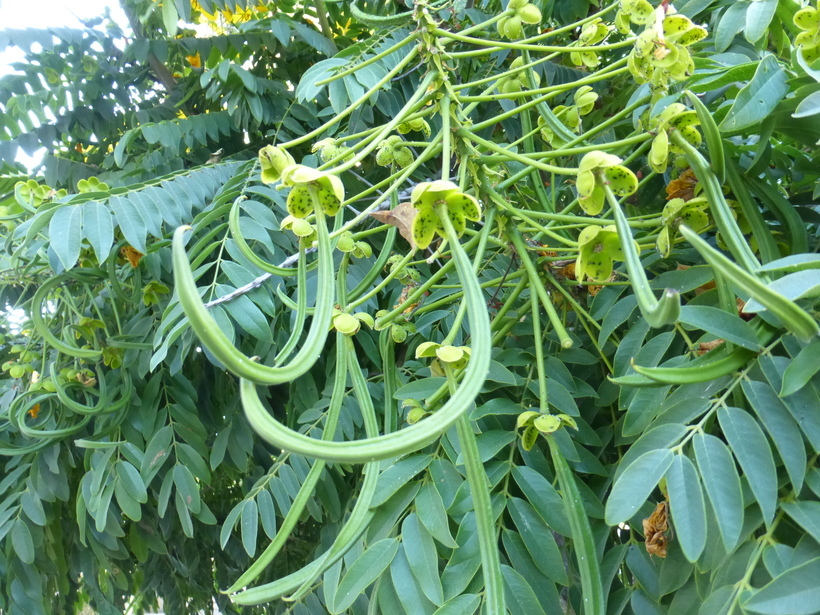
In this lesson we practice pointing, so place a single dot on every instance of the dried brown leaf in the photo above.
(654, 530)
(401, 217)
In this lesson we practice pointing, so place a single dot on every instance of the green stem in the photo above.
(467, 134)
(356, 103)
(538, 286)
(658, 313)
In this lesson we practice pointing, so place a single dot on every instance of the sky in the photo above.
(49, 13)
(16, 14)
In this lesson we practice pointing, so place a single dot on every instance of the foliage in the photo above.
(507, 306)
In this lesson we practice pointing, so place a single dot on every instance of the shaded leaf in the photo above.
(795, 592)
(98, 228)
(362, 572)
(421, 555)
(687, 507)
(758, 98)
(717, 469)
(781, 427)
(635, 484)
(65, 232)
(752, 451)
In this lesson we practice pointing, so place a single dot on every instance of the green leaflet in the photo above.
(722, 484)
(753, 453)
(687, 506)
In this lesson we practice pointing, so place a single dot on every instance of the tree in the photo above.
(508, 304)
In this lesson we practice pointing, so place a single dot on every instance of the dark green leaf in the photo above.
(130, 222)
(156, 452)
(397, 476)
(804, 366)
(465, 561)
(465, 604)
(538, 540)
(431, 512)
(33, 508)
(758, 17)
(520, 597)
(267, 514)
(544, 498)
(184, 516)
(249, 526)
(407, 588)
(758, 98)
(807, 515)
(187, 487)
(22, 542)
(128, 505)
(132, 481)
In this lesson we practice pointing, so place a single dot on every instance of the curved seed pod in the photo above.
(793, 317)
(718, 206)
(696, 373)
(39, 300)
(411, 438)
(307, 488)
(17, 415)
(356, 524)
(658, 312)
(217, 343)
(245, 249)
(592, 592)
(103, 405)
(114, 280)
(714, 142)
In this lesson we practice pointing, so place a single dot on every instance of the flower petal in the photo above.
(465, 204)
(424, 227)
(300, 204)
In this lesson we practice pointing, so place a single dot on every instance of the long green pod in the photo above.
(538, 287)
(103, 405)
(711, 133)
(367, 281)
(551, 120)
(657, 312)
(307, 488)
(114, 279)
(245, 249)
(358, 521)
(37, 304)
(766, 244)
(411, 438)
(21, 410)
(356, 524)
(719, 208)
(793, 317)
(689, 374)
(784, 211)
(592, 591)
(221, 347)
(387, 350)
(301, 308)
(494, 603)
